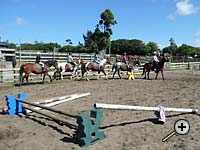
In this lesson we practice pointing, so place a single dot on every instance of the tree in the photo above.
(173, 47)
(131, 47)
(150, 47)
(100, 38)
(107, 19)
(12, 45)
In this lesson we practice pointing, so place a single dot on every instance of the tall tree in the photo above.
(150, 47)
(173, 47)
(106, 21)
(100, 38)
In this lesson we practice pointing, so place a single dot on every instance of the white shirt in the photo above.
(70, 58)
(155, 58)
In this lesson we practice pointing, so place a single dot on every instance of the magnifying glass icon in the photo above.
(181, 127)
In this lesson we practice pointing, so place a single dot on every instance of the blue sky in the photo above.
(57, 20)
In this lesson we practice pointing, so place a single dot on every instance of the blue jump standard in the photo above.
(88, 131)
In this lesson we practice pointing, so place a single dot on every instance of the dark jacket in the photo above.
(38, 58)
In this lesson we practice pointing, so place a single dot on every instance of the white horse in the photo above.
(68, 67)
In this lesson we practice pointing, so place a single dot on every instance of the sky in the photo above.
(46, 21)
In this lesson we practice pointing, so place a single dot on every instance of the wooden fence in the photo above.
(12, 75)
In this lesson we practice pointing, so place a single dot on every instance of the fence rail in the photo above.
(12, 75)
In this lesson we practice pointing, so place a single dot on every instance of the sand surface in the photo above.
(124, 130)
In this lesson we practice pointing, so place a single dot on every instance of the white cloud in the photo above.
(20, 21)
(183, 8)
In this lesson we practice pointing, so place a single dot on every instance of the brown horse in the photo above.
(36, 69)
(68, 67)
(159, 68)
(90, 66)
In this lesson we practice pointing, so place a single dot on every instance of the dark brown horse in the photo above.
(159, 68)
(90, 66)
(36, 69)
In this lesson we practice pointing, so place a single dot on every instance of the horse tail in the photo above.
(83, 69)
(21, 71)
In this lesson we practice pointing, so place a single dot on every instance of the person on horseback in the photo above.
(125, 60)
(71, 61)
(155, 60)
(38, 60)
(96, 58)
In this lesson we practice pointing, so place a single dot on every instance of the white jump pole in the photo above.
(129, 107)
(52, 101)
(61, 100)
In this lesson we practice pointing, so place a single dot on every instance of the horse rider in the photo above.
(38, 60)
(125, 60)
(96, 58)
(71, 61)
(155, 60)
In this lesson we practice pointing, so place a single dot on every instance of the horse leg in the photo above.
(148, 75)
(98, 74)
(74, 71)
(46, 73)
(162, 74)
(114, 74)
(61, 74)
(105, 74)
(156, 75)
(21, 79)
(87, 77)
(48, 76)
(26, 76)
(119, 74)
(145, 74)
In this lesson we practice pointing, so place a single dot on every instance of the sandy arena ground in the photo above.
(124, 130)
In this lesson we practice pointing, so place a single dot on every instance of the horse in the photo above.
(121, 66)
(91, 66)
(159, 68)
(36, 69)
(68, 67)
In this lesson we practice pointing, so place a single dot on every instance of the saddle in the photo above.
(96, 65)
(38, 66)
(126, 65)
(71, 66)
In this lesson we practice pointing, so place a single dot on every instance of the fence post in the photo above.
(54, 53)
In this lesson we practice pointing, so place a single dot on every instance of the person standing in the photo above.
(14, 62)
